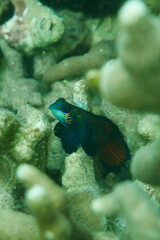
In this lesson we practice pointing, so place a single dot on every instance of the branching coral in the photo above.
(82, 188)
(131, 202)
(27, 31)
(49, 204)
(76, 66)
(133, 80)
(146, 163)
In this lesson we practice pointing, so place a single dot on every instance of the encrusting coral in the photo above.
(31, 136)
(28, 31)
(16, 89)
(132, 80)
(8, 58)
(48, 202)
(23, 136)
(71, 41)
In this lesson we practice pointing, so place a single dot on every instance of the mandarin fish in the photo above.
(97, 135)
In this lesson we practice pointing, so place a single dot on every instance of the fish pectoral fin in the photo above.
(69, 140)
(89, 147)
(58, 129)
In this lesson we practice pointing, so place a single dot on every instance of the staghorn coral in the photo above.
(27, 31)
(78, 65)
(130, 201)
(48, 201)
(132, 80)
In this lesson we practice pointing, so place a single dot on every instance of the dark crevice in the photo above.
(7, 14)
(93, 8)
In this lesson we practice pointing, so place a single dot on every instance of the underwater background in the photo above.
(85, 177)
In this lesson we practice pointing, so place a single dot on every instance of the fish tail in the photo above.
(114, 153)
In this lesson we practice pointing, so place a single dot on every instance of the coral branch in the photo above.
(133, 80)
(48, 202)
(130, 201)
(146, 163)
(76, 66)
